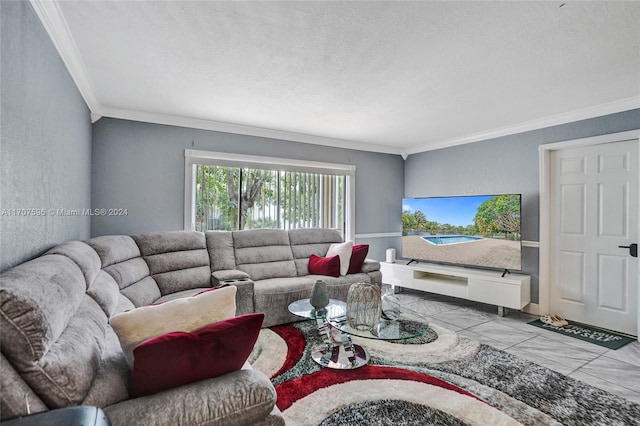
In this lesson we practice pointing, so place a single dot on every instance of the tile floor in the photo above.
(617, 371)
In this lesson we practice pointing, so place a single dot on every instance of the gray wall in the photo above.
(504, 165)
(45, 143)
(140, 167)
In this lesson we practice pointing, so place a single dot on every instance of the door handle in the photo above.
(633, 249)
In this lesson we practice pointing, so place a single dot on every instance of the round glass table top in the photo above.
(408, 325)
(303, 308)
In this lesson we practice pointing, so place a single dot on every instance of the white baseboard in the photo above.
(532, 308)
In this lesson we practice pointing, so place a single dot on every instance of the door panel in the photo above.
(594, 209)
(612, 269)
(573, 209)
(572, 276)
(612, 209)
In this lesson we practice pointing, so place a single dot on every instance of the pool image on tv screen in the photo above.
(479, 231)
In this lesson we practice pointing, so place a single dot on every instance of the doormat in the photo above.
(598, 336)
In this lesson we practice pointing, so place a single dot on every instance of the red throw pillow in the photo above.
(324, 265)
(358, 254)
(177, 358)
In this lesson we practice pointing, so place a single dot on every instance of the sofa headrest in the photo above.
(313, 236)
(169, 241)
(114, 248)
(37, 300)
(221, 252)
(51, 331)
(83, 255)
(260, 238)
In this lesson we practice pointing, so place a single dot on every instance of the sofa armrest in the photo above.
(240, 279)
(370, 265)
(242, 397)
(228, 276)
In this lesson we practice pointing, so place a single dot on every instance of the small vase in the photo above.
(319, 295)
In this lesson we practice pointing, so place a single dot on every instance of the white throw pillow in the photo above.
(344, 251)
(184, 314)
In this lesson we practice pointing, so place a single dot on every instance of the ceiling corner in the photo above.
(56, 26)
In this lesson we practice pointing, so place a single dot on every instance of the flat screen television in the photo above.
(481, 231)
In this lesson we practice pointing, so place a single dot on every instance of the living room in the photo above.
(64, 147)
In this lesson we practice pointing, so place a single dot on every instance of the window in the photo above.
(229, 192)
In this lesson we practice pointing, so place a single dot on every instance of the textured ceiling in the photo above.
(388, 76)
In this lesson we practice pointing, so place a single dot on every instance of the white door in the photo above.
(594, 210)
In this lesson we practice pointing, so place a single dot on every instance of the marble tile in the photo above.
(606, 385)
(463, 318)
(431, 307)
(483, 339)
(615, 371)
(516, 317)
(451, 327)
(550, 364)
(629, 353)
(502, 333)
(612, 370)
(410, 296)
(570, 356)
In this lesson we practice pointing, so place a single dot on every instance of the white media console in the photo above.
(511, 291)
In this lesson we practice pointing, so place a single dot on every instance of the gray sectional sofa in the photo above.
(59, 350)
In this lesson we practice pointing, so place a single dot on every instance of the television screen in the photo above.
(480, 231)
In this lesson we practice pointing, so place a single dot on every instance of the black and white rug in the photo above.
(437, 379)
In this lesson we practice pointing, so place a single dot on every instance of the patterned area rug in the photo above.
(437, 379)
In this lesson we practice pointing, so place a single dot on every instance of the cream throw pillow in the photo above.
(344, 251)
(184, 314)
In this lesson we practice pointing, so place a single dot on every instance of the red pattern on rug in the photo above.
(295, 346)
(298, 388)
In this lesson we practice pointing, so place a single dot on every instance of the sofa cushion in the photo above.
(104, 290)
(272, 296)
(177, 260)
(370, 266)
(344, 251)
(114, 249)
(324, 265)
(311, 236)
(169, 242)
(113, 376)
(264, 253)
(305, 242)
(180, 295)
(39, 298)
(184, 314)
(121, 259)
(221, 252)
(358, 255)
(177, 358)
(18, 399)
(50, 330)
(83, 255)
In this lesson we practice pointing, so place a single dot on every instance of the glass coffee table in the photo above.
(408, 325)
(341, 353)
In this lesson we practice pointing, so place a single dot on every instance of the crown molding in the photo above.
(553, 120)
(56, 26)
(52, 19)
(219, 126)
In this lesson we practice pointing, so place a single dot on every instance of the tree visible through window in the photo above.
(230, 198)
